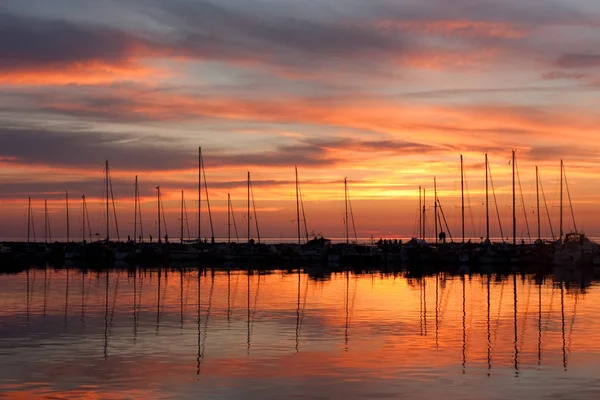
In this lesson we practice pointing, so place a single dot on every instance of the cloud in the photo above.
(578, 61)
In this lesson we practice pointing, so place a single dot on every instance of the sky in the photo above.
(386, 93)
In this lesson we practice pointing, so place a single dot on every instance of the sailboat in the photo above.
(573, 249)
(351, 253)
(313, 250)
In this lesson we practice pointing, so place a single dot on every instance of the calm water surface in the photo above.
(216, 334)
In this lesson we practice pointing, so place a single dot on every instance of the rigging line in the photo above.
(32, 227)
(303, 213)
(162, 210)
(255, 217)
(445, 222)
(103, 212)
(140, 213)
(186, 219)
(237, 237)
(496, 203)
(523, 201)
(469, 203)
(212, 231)
(112, 196)
(569, 196)
(352, 217)
(547, 209)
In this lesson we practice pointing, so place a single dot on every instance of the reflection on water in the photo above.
(184, 333)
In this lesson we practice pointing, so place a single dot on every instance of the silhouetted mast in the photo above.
(228, 218)
(28, 219)
(514, 199)
(420, 215)
(212, 230)
(561, 199)
(83, 218)
(200, 193)
(158, 208)
(248, 207)
(181, 225)
(297, 205)
(68, 227)
(435, 212)
(107, 206)
(424, 216)
(135, 209)
(346, 210)
(487, 201)
(462, 196)
(46, 228)
(537, 194)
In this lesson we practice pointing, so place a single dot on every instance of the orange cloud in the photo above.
(81, 73)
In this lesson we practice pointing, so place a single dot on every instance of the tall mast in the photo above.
(228, 218)
(158, 204)
(28, 219)
(561, 198)
(346, 209)
(537, 193)
(107, 202)
(249, 207)
(420, 215)
(83, 218)
(199, 192)
(45, 221)
(135, 209)
(435, 213)
(297, 205)
(514, 199)
(68, 228)
(181, 217)
(462, 197)
(424, 216)
(487, 201)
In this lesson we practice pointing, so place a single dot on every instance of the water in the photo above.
(286, 335)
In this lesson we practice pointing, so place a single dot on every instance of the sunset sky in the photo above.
(387, 93)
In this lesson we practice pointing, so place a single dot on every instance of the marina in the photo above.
(436, 250)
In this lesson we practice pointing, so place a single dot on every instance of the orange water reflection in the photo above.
(151, 333)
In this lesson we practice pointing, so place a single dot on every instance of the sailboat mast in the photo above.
(107, 204)
(45, 221)
(487, 200)
(420, 215)
(181, 226)
(248, 207)
(135, 209)
(83, 218)
(158, 208)
(297, 205)
(537, 193)
(346, 209)
(435, 213)
(200, 193)
(514, 199)
(424, 216)
(28, 219)
(228, 218)
(561, 198)
(462, 197)
(68, 228)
